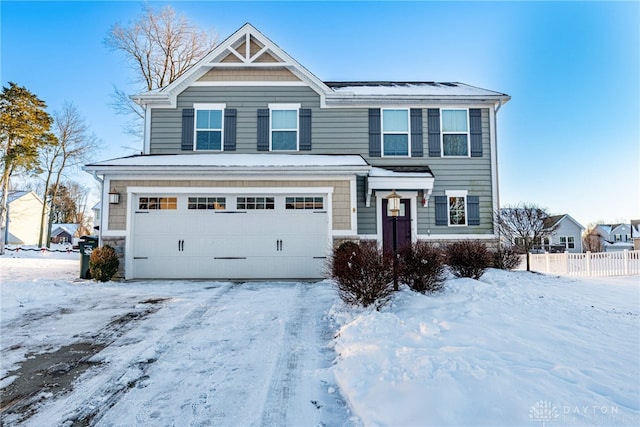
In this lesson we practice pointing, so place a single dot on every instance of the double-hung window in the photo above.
(395, 132)
(209, 127)
(283, 124)
(568, 242)
(455, 133)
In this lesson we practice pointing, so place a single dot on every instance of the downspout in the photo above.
(495, 141)
(101, 181)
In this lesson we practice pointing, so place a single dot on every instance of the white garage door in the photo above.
(230, 236)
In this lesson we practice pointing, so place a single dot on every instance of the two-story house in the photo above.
(253, 167)
(567, 236)
(615, 237)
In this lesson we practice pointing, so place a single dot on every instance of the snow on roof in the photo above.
(69, 228)
(235, 160)
(15, 195)
(381, 172)
(410, 88)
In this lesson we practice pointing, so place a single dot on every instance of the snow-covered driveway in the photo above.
(510, 349)
(177, 353)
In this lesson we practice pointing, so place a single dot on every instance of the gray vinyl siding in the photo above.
(334, 131)
(470, 173)
(339, 131)
(366, 215)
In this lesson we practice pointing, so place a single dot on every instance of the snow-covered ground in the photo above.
(514, 348)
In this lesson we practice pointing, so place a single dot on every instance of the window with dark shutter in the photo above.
(475, 128)
(230, 129)
(441, 210)
(416, 133)
(473, 208)
(187, 129)
(374, 133)
(433, 123)
(263, 129)
(305, 129)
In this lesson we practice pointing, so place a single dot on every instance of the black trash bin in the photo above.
(86, 245)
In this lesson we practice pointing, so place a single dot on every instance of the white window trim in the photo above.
(468, 133)
(285, 107)
(207, 106)
(382, 132)
(457, 193)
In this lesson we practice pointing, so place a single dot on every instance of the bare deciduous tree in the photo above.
(159, 46)
(75, 144)
(524, 225)
(591, 239)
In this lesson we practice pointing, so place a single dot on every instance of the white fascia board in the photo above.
(225, 177)
(230, 190)
(355, 101)
(196, 172)
(399, 184)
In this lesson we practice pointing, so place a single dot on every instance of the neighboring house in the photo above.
(97, 210)
(567, 237)
(24, 210)
(253, 167)
(615, 237)
(635, 234)
(64, 233)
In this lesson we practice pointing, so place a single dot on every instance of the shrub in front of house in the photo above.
(506, 258)
(363, 275)
(422, 267)
(103, 263)
(468, 258)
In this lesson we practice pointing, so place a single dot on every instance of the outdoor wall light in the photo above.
(114, 197)
(393, 200)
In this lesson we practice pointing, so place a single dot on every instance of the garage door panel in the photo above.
(252, 244)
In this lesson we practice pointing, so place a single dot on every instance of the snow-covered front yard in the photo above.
(513, 348)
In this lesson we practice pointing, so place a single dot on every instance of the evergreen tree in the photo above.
(24, 131)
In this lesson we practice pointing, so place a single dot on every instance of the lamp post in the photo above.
(393, 204)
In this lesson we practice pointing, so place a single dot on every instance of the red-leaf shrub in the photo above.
(363, 275)
(422, 267)
(468, 258)
(506, 258)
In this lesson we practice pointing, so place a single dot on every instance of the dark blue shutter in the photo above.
(441, 210)
(416, 133)
(473, 210)
(475, 128)
(187, 129)
(230, 129)
(305, 129)
(263, 129)
(374, 132)
(433, 122)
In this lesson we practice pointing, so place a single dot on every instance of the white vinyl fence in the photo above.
(623, 263)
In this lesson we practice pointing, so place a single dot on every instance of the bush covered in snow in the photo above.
(506, 258)
(103, 263)
(468, 258)
(422, 267)
(363, 275)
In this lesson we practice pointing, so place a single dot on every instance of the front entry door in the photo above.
(403, 226)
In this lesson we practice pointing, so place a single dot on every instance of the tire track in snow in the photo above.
(105, 397)
(299, 393)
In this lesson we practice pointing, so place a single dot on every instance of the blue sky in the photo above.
(569, 140)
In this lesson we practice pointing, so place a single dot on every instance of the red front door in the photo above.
(403, 226)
